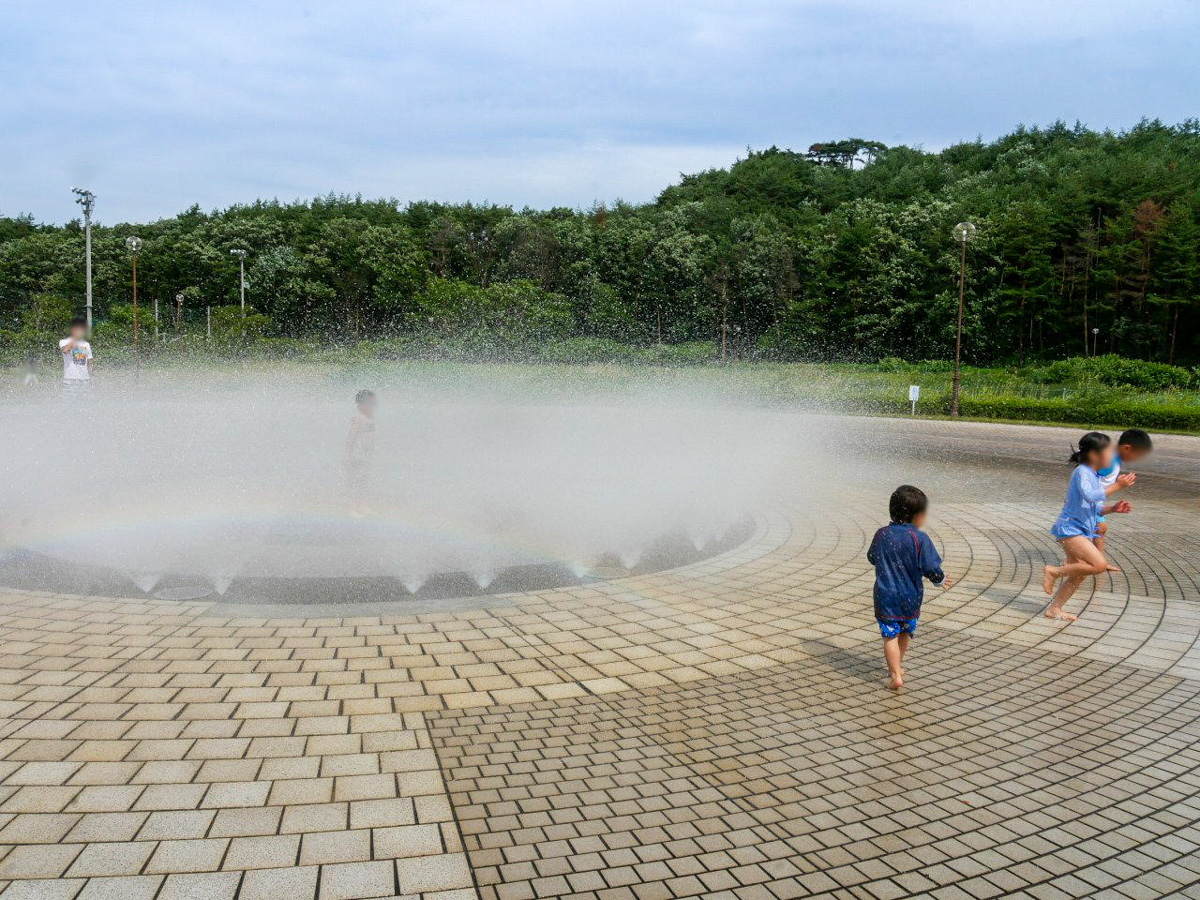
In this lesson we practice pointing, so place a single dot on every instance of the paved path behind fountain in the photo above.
(719, 730)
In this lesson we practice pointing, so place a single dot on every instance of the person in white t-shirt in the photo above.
(78, 362)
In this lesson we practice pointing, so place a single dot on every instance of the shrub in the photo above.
(283, 348)
(1084, 411)
(1115, 371)
(694, 353)
(936, 365)
(588, 350)
(893, 364)
(235, 330)
(503, 313)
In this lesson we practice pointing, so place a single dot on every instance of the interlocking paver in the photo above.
(111, 859)
(58, 889)
(136, 887)
(38, 860)
(206, 886)
(280, 884)
(336, 847)
(266, 852)
(357, 881)
(717, 729)
(188, 856)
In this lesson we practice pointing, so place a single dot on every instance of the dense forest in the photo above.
(843, 251)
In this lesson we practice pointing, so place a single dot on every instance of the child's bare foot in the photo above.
(1048, 579)
(1052, 613)
(894, 682)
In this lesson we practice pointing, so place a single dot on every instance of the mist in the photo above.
(218, 480)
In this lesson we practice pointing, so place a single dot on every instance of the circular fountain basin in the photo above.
(299, 560)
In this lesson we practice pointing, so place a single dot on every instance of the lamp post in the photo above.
(87, 200)
(963, 232)
(1095, 342)
(241, 255)
(134, 244)
(179, 313)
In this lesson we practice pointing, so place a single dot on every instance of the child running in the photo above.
(902, 555)
(1132, 445)
(1077, 526)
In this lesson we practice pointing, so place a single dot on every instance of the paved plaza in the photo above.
(719, 730)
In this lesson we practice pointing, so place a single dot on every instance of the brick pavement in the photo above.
(717, 730)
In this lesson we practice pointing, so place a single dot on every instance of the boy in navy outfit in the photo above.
(902, 555)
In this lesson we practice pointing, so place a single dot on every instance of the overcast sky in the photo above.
(159, 105)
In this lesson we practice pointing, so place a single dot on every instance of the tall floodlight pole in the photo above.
(87, 200)
(179, 313)
(241, 255)
(1095, 342)
(963, 232)
(135, 244)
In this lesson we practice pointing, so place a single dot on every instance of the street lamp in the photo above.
(241, 255)
(963, 233)
(87, 200)
(179, 313)
(1095, 342)
(134, 244)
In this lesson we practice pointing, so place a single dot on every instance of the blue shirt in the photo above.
(902, 556)
(1085, 502)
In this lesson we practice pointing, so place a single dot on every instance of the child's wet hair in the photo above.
(1092, 442)
(364, 396)
(907, 502)
(1135, 438)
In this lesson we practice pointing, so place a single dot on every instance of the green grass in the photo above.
(1012, 395)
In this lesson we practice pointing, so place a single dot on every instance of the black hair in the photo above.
(1090, 443)
(363, 396)
(78, 322)
(907, 503)
(1135, 438)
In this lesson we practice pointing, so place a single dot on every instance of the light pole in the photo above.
(179, 313)
(241, 255)
(87, 200)
(963, 232)
(134, 244)
(1095, 342)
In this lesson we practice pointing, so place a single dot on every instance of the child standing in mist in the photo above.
(902, 555)
(78, 362)
(360, 452)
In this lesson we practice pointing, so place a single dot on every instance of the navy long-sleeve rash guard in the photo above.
(902, 556)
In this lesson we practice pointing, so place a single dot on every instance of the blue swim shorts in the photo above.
(897, 627)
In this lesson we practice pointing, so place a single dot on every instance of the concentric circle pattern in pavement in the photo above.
(719, 730)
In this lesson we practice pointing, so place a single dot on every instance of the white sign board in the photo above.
(914, 394)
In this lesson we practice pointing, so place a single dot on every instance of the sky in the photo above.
(160, 105)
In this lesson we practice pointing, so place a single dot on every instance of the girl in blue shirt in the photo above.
(1077, 526)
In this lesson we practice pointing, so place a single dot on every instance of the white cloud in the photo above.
(543, 102)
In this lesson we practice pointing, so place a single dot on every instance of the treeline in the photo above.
(844, 251)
